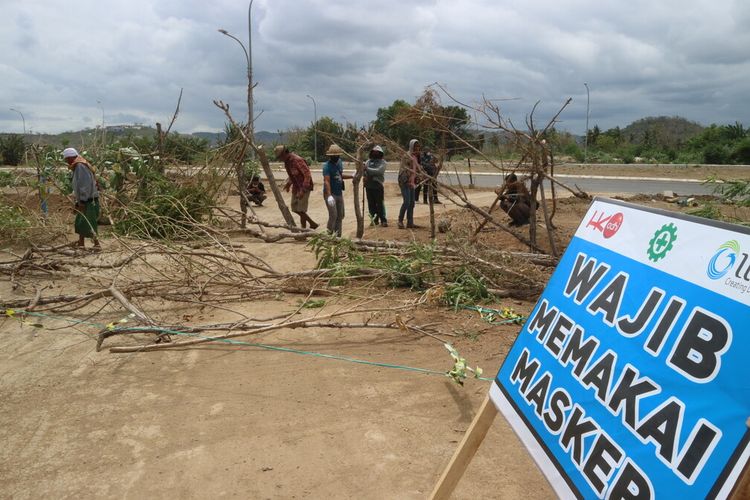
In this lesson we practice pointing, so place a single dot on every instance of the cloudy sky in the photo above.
(68, 65)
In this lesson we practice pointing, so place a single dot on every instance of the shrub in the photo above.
(735, 191)
(7, 179)
(12, 219)
(741, 152)
(715, 154)
(12, 148)
(465, 288)
(167, 210)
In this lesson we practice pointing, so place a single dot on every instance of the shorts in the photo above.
(300, 204)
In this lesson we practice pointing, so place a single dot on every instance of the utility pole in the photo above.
(22, 119)
(101, 106)
(250, 137)
(250, 85)
(586, 141)
(315, 128)
(250, 127)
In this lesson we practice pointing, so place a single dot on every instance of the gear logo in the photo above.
(723, 260)
(662, 242)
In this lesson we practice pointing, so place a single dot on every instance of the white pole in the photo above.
(586, 143)
(315, 127)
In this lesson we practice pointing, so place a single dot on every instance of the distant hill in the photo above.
(81, 138)
(269, 138)
(666, 131)
(213, 138)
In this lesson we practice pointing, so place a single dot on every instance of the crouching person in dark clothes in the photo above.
(86, 197)
(256, 192)
(515, 200)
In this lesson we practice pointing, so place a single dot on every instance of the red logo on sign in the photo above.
(607, 224)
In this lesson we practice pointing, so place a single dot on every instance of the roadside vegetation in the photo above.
(655, 140)
(660, 140)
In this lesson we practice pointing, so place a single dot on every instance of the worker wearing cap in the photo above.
(86, 197)
(375, 186)
(333, 188)
(300, 181)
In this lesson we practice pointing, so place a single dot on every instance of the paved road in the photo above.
(592, 184)
(598, 184)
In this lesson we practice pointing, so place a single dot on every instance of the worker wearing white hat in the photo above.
(86, 197)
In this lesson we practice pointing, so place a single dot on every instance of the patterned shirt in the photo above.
(299, 174)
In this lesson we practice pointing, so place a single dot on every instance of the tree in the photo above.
(741, 152)
(349, 138)
(395, 123)
(735, 132)
(594, 135)
(562, 142)
(715, 154)
(457, 121)
(328, 131)
(12, 148)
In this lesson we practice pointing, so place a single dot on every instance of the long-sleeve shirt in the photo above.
(375, 172)
(407, 174)
(299, 174)
(84, 184)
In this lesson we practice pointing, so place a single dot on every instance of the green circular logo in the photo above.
(662, 242)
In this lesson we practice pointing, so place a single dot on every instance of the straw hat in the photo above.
(335, 150)
(279, 150)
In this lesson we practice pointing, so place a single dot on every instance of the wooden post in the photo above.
(272, 184)
(471, 176)
(160, 148)
(359, 209)
(484, 221)
(532, 210)
(742, 490)
(432, 208)
(548, 220)
(462, 457)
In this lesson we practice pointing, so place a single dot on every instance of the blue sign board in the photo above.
(631, 377)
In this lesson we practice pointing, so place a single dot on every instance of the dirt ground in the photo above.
(250, 422)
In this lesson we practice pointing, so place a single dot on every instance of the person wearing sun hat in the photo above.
(333, 188)
(86, 197)
(375, 186)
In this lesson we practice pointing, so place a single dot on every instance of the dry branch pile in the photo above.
(212, 272)
(179, 253)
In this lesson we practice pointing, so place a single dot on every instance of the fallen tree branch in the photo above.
(301, 323)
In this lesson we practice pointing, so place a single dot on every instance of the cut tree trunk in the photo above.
(357, 179)
(532, 212)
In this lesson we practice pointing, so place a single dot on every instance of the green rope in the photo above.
(517, 319)
(248, 344)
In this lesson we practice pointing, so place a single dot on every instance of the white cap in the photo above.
(70, 153)
(378, 149)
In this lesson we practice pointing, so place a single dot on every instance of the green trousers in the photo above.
(87, 222)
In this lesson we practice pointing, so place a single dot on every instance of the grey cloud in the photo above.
(639, 58)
